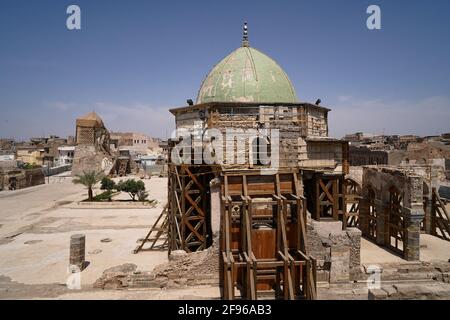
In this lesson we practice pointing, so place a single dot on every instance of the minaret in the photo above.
(245, 42)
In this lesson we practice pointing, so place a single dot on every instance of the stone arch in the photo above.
(372, 213)
(396, 221)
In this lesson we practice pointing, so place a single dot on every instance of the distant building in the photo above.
(7, 159)
(405, 140)
(30, 154)
(136, 144)
(7, 144)
(421, 153)
(71, 140)
(40, 151)
(358, 137)
(147, 161)
(7, 156)
(65, 155)
(164, 145)
(361, 156)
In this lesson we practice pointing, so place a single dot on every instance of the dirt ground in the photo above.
(35, 229)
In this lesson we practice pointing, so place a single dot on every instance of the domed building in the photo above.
(248, 162)
(247, 75)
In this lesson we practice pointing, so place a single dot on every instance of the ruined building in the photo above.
(92, 151)
(269, 216)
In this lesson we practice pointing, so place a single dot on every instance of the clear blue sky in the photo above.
(133, 60)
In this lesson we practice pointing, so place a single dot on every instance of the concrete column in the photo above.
(77, 250)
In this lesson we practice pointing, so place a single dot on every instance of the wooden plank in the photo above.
(335, 200)
(325, 190)
(195, 204)
(183, 208)
(194, 178)
(316, 198)
(277, 184)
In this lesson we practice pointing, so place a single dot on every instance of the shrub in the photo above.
(29, 166)
(132, 187)
(108, 184)
(103, 196)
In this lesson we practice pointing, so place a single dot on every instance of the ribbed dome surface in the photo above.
(247, 75)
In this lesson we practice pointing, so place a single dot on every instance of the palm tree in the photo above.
(88, 179)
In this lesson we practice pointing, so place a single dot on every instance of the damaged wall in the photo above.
(337, 251)
(410, 187)
(92, 151)
(295, 124)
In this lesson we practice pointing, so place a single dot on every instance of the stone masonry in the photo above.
(380, 180)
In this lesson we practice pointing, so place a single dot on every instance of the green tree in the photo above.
(107, 184)
(132, 187)
(88, 179)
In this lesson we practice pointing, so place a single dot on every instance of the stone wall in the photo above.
(322, 154)
(337, 251)
(88, 158)
(294, 124)
(361, 156)
(24, 178)
(410, 185)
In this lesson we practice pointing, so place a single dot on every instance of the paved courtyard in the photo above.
(35, 229)
(36, 225)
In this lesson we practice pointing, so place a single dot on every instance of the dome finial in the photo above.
(245, 42)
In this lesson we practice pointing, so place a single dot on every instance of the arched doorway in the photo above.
(372, 217)
(396, 221)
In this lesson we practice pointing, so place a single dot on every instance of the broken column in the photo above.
(77, 250)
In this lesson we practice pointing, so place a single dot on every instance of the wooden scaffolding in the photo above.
(440, 218)
(352, 198)
(263, 237)
(189, 207)
(158, 234)
(326, 193)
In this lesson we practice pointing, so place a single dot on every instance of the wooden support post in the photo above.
(335, 199)
(317, 212)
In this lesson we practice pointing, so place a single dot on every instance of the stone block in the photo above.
(327, 228)
(377, 294)
(340, 264)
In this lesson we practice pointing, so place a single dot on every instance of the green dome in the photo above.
(247, 75)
